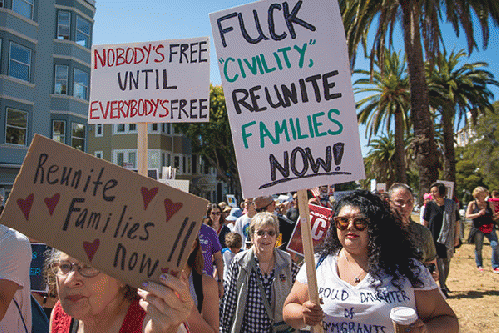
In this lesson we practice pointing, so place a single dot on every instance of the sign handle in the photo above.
(308, 250)
(142, 145)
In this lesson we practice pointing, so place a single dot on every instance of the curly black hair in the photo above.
(391, 247)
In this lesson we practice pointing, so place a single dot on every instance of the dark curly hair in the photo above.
(390, 248)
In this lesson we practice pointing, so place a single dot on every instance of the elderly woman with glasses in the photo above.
(91, 301)
(364, 269)
(258, 282)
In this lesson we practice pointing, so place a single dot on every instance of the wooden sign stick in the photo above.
(142, 146)
(308, 250)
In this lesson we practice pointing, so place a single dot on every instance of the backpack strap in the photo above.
(20, 314)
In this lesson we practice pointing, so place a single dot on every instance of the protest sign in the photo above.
(128, 226)
(36, 274)
(449, 188)
(150, 82)
(319, 221)
(286, 79)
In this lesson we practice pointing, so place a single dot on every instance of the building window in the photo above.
(132, 159)
(23, 7)
(61, 79)
(63, 25)
(82, 32)
(78, 136)
(59, 131)
(125, 128)
(20, 62)
(17, 127)
(99, 154)
(99, 130)
(168, 129)
(80, 84)
(120, 157)
(120, 128)
(1, 4)
(176, 162)
(126, 158)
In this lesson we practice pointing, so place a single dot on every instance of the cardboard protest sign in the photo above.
(286, 79)
(320, 221)
(162, 81)
(129, 226)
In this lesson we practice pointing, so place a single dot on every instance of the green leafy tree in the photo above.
(213, 140)
(388, 99)
(479, 164)
(454, 91)
(420, 22)
(380, 160)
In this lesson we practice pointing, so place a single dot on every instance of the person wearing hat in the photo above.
(286, 226)
(231, 219)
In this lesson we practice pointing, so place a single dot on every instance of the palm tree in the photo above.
(420, 21)
(381, 159)
(389, 99)
(455, 90)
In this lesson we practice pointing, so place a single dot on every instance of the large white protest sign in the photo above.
(286, 80)
(162, 81)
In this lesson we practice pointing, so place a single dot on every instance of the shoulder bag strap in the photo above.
(20, 314)
(262, 291)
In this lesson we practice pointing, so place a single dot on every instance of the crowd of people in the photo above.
(241, 277)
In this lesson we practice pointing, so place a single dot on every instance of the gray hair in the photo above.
(263, 219)
(398, 186)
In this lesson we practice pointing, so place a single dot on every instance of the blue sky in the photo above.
(127, 21)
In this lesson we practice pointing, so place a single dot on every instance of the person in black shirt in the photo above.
(441, 216)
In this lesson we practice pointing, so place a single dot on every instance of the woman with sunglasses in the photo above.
(258, 282)
(364, 269)
(91, 301)
(216, 220)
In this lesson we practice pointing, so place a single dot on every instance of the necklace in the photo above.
(356, 278)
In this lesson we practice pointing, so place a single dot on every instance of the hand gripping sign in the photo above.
(129, 226)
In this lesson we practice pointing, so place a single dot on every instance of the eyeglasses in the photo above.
(216, 213)
(63, 268)
(342, 223)
(262, 233)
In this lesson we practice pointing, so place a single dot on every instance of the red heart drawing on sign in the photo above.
(25, 205)
(148, 195)
(91, 248)
(51, 203)
(165, 270)
(171, 208)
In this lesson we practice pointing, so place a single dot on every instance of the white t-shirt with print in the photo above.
(15, 259)
(362, 308)
(242, 227)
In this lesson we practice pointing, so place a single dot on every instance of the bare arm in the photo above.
(434, 311)
(298, 311)
(208, 320)
(469, 211)
(7, 291)
(219, 263)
